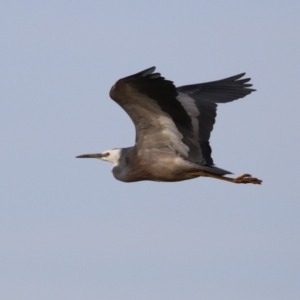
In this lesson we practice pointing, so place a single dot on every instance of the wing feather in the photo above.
(206, 96)
(159, 118)
(174, 119)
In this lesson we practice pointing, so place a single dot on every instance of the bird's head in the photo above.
(112, 156)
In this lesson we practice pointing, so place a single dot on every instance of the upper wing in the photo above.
(205, 97)
(159, 117)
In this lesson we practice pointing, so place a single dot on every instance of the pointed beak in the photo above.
(96, 155)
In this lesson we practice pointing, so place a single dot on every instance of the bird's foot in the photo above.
(247, 178)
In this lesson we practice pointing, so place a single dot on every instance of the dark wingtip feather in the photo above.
(147, 71)
(219, 91)
(143, 73)
(233, 78)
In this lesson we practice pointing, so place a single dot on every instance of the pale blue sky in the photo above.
(69, 230)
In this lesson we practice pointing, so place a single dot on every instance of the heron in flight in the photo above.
(173, 126)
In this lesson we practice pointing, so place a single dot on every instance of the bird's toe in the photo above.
(247, 178)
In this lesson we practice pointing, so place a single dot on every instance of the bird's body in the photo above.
(173, 127)
(165, 166)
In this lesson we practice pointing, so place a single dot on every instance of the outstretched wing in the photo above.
(204, 97)
(176, 119)
(160, 119)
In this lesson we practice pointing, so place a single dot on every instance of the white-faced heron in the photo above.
(173, 126)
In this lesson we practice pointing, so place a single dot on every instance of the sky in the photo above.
(69, 230)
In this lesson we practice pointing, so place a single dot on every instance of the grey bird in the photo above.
(173, 126)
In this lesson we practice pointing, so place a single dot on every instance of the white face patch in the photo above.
(113, 156)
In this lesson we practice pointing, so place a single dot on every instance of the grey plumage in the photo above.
(173, 127)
